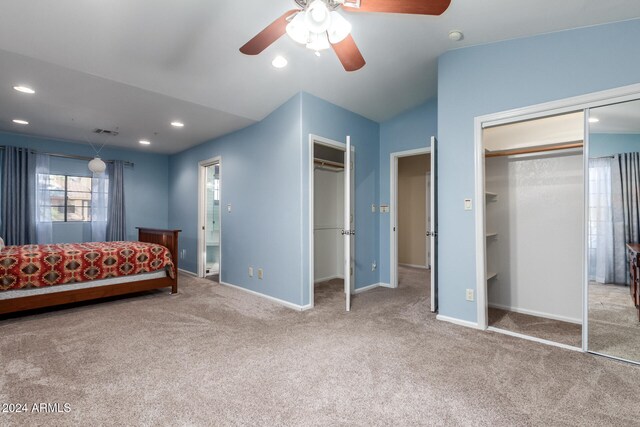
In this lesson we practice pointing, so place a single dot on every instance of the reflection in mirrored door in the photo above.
(614, 231)
(212, 223)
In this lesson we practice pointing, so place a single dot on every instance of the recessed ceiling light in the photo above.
(455, 35)
(145, 142)
(177, 124)
(24, 89)
(593, 120)
(20, 122)
(279, 62)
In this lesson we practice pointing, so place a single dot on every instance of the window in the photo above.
(69, 197)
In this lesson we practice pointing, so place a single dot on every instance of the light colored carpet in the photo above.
(535, 326)
(213, 355)
(613, 321)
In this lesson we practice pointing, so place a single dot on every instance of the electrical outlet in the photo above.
(374, 266)
(469, 294)
(250, 271)
(260, 274)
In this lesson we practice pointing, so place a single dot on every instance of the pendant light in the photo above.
(97, 165)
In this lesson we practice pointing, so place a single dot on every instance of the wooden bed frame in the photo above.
(166, 238)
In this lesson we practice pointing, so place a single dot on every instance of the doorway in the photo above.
(332, 221)
(413, 219)
(209, 220)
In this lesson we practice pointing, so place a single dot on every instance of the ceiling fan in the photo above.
(319, 26)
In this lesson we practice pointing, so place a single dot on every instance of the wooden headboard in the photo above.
(166, 238)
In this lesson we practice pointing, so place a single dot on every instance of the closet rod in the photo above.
(535, 150)
(328, 163)
(71, 156)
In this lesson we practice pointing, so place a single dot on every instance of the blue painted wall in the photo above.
(409, 130)
(502, 76)
(264, 176)
(608, 144)
(146, 184)
(261, 180)
(324, 119)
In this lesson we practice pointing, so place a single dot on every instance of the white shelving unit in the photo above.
(490, 237)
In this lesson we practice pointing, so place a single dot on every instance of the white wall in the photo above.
(538, 215)
(328, 222)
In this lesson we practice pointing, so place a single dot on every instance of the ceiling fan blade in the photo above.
(266, 37)
(349, 54)
(414, 7)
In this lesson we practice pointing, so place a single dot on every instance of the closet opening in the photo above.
(209, 236)
(413, 222)
(328, 213)
(534, 226)
(413, 207)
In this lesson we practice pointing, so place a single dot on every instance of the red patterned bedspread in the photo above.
(48, 265)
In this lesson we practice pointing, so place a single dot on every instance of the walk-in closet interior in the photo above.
(534, 210)
(413, 211)
(328, 184)
(212, 223)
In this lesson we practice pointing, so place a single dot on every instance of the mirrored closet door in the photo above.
(613, 229)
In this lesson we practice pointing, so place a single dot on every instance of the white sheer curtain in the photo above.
(601, 263)
(44, 228)
(607, 253)
(99, 204)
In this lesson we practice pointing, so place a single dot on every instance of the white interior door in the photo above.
(349, 227)
(433, 227)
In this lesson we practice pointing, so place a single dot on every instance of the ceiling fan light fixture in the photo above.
(317, 17)
(339, 29)
(318, 42)
(297, 29)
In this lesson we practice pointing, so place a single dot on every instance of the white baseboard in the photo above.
(270, 298)
(534, 339)
(537, 313)
(460, 322)
(423, 267)
(326, 279)
(187, 272)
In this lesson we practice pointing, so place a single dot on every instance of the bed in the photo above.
(37, 276)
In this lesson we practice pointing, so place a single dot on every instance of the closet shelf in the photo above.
(327, 228)
(492, 235)
(491, 275)
(490, 195)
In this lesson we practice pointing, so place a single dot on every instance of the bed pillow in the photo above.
(1, 244)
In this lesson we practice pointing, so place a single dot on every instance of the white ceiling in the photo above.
(181, 57)
(617, 118)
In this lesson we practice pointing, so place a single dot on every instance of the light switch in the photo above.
(373, 208)
(467, 204)
(229, 208)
